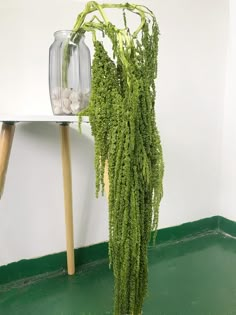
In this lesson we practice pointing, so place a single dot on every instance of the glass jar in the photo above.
(69, 73)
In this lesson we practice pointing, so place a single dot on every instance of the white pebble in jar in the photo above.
(66, 106)
(75, 107)
(66, 103)
(56, 103)
(66, 93)
(56, 93)
(74, 96)
(66, 110)
(57, 107)
(57, 110)
(85, 101)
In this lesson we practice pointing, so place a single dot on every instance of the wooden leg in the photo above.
(67, 179)
(6, 138)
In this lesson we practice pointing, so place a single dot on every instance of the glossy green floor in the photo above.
(191, 277)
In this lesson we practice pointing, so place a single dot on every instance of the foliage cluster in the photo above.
(122, 118)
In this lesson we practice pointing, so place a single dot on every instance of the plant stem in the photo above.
(93, 6)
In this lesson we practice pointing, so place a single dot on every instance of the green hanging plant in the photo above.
(122, 117)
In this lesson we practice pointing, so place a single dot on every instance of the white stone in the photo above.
(66, 110)
(74, 96)
(66, 93)
(57, 110)
(56, 93)
(75, 107)
(85, 101)
(87, 91)
(66, 103)
(56, 103)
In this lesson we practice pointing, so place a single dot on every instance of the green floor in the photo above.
(196, 276)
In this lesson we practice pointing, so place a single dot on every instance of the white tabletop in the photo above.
(40, 118)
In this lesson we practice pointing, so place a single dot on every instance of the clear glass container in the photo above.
(69, 73)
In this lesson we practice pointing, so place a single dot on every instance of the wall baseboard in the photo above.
(57, 262)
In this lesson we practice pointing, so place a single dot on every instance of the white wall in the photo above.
(190, 95)
(190, 105)
(228, 176)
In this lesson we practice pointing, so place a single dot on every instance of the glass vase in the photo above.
(69, 73)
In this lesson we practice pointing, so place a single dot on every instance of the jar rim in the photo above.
(63, 33)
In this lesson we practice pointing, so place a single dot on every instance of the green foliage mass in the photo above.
(122, 118)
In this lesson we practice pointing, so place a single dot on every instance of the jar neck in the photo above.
(63, 34)
(66, 34)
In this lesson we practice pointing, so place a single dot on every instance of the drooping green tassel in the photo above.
(122, 118)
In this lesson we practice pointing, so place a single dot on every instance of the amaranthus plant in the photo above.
(122, 117)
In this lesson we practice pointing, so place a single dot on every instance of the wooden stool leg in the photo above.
(6, 138)
(67, 179)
